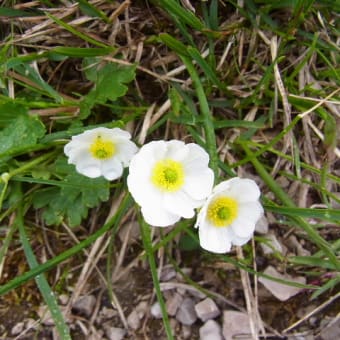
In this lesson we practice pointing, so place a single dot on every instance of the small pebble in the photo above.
(133, 320)
(85, 305)
(18, 328)
(186, 314)
(281, 291)
(114, 333)
(211, 330)
(236, 324)
(273, 245)
(141, 309)
(168, 273)
(262, 225)
(186, 332)
(331, 331)
(156, 311)
(173, 303)
(207, 309)
(63, 298)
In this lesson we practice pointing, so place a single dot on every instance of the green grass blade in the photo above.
(196, 56)
(174, 8)
(91, 10)
(42, 283)
(75, 32)
(311, 261)
(147, 242)
(332, 215)
(81, 52)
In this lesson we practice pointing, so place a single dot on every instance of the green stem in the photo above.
(146, 237)
(5, 177)
(206, 114)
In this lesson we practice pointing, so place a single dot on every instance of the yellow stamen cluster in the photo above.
(222, 211)
(102, 149)
(168, 175)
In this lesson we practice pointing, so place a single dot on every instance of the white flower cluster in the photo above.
(170, 180)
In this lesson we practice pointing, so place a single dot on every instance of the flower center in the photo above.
(222, 211)
(168, 175)
(102, 149)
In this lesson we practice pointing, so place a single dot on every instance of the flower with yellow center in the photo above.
(229, 215)
(101, 152)
(169, 179)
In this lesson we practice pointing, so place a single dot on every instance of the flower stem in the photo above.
(6, 176)
(146, 237)
(206, 114)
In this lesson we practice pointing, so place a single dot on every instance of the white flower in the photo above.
(169, 180)
(229, 215)
(101, 152)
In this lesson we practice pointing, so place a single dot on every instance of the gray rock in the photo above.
(207, 309)
(186, 332)
(186, 314)
(173, 303)
(141, 309)
(211, 330)
(114, 333)
(235, 324)
(279, 290)
(133, 320)
(274, 245)
(156, 311)
(331, 331)
(18, 328)
(262, 225)
(168, 273)
(85, 305)
(63, 298)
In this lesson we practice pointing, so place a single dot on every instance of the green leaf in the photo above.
(70, 200)
(109, 85)
(23, 131)
(9, 111)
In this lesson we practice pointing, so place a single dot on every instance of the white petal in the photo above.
(240, 241)
(86, 164)
(252, 210)
(199, 185)
(197, 158)
(158, 217)
(119, 133)
(111, 169)
(222, 187)
(180, 204)
(125, 151)
(243, 227)
(143, 194)
(216, 240)
(176, 150)
(91, 170)
(154, 150)
(244, 189)
(80, 154)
